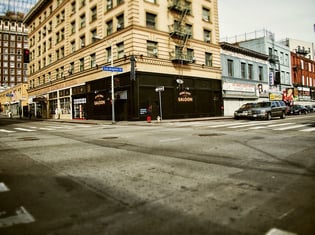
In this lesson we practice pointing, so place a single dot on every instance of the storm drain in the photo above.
(29, 138)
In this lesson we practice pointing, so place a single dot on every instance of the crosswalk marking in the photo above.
(245, 125)
(280, 124)
(290, 127)
(6, 131)
(23, 129)
(309, 129)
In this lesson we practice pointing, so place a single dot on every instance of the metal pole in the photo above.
(160, 98)
(112, 83)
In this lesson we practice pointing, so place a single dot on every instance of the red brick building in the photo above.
(303, 76)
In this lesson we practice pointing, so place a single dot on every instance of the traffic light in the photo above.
(26, 55)
(277, 80)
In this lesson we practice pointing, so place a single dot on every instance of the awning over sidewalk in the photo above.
(39, 99)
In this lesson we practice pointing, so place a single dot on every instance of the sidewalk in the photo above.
(109, 122)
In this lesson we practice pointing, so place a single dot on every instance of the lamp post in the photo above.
(112, 85)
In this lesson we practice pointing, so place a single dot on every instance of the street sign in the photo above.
(160, 88)
(9, 95)
(112, 69)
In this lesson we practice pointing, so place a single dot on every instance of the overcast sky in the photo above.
(285, 18)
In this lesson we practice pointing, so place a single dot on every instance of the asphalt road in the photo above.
(198, 177)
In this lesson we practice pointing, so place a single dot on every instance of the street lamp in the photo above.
(112, 85)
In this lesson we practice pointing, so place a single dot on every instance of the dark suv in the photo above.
(268, 109)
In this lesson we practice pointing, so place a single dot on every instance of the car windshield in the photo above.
(263, 104)
(248, 106)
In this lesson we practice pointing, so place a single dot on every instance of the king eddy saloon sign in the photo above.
(184, 96)
(99, 100)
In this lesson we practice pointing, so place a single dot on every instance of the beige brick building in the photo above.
(156, 43)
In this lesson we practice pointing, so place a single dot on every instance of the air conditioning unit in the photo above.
(207, 39)
(119, 26)
(82, 44)
(155, 52)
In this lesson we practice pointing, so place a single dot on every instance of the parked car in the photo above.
(242, 112)
(268, 109)
(298, 109)
(309, 108)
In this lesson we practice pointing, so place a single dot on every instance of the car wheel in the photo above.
(282, 115)
(268, 116)
(299, 113)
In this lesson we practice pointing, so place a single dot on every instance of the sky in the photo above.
(285, 18)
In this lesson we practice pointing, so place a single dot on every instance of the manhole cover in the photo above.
(28, 138)
(109, 137)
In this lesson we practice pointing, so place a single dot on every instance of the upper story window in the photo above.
(250, 71)
(243, 70)
(82, 21)
(206, 14)
(109, 4)
(230, 68)
(208, 59)
(150, 20)
(120, 22)
(120, 2)
(120, 50)
(73, 7)
(207, 36)
(109, 26)
(93, 60)
(93, 14)
(82, 3)
(152, 48)
(260, 73)
(72, 27)
(109, 54)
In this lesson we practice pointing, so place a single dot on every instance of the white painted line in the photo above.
(225, 125)
(246, 125)
(170, 140)
(280, 124)
(23, 129)
(3, 188)
(309, 129)
(6, 131)
(21, 217)
(275, 231)
(46, 129)
(257, 127)
(290, 127)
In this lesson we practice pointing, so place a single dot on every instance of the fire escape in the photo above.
(180, 32)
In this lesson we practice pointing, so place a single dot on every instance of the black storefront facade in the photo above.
(183, 97)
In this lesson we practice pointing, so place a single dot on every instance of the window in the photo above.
(208, 59)
(188, 29)
(108, 54)
(82, 20)
(109, 4)
(250, 71)
(260, 73)
(120, 50)
(94, 36)
(93, 60)
(190, 55)
(206, 14)
(150, 20)
(152, 48)
(71, 68)
(82, 41)
(82, 3)
(120, 22)
(81, 62)
(207, 36)
(93, 14)
(73, 7)
(72, 46)
(243, 70)
(109, 26)
(230, 68)
(72, 27)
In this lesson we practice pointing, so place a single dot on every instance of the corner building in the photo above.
(170, 45)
